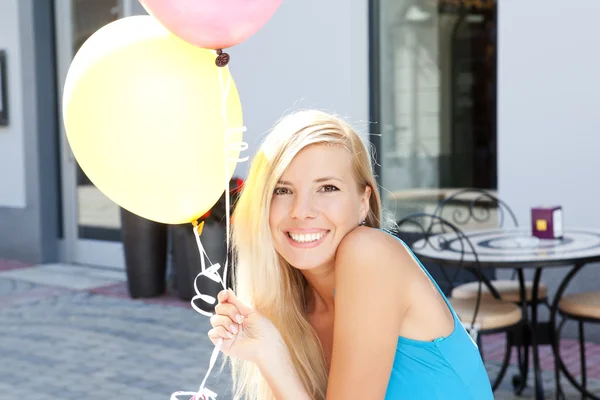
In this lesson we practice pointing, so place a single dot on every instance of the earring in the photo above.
(363, 222)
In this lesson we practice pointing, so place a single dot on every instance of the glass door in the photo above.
(437, 100)
(92, 225)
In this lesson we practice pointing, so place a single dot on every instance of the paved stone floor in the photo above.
(72, 332)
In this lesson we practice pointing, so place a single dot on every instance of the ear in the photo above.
(364, 203)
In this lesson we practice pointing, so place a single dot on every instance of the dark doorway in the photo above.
(473, 99)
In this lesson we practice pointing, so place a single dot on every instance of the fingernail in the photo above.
(230, 335)
(233, 328)
(239, 319)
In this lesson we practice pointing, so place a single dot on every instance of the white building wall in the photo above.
(311, 54)
(12, 152)
(548, 118)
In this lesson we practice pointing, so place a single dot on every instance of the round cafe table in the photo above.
(517, 249)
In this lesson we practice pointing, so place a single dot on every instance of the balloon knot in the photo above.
(198, 226)
(222, 58)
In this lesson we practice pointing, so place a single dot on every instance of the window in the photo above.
(434, 98)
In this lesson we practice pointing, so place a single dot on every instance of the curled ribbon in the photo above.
(212, 272)
(203, 392)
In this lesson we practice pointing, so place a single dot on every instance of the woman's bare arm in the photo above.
(277, 368)
(370, 304)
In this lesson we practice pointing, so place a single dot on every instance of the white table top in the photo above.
(510, 248)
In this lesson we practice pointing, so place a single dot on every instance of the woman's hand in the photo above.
(245, 332)
(254, 338)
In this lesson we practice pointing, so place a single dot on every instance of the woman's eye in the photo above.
(281, 190)
(329, 188)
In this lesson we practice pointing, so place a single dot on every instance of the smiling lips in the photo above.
(308, 239)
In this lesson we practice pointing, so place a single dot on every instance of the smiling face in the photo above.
(315, 204)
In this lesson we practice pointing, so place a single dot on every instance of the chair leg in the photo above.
(562, 369)
(519, 361)
(480, 346)
(582, 358)
(556, 344)
(505, 362)
(520, 381)
(557, 387)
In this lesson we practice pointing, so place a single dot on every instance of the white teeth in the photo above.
(306, 238)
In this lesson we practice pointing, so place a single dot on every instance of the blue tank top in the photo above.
(448, 368)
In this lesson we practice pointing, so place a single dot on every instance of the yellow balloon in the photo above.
(152, 121)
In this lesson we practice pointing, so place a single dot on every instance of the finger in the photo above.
(229, 297)
(212, 335)
(229, 310)
(220, 332)
(215, 338)
(225, 322)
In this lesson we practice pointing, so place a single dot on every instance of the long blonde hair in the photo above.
(262, 277)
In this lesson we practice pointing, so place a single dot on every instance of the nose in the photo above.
(302, 207)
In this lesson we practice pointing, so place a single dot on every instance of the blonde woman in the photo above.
(326, 304)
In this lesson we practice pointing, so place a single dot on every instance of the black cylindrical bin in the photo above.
(145, 246)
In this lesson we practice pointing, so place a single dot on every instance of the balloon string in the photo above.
(197, 232)
(211, 364)
(212, 272)
(225, 85)
(203, 393)
(224, 96)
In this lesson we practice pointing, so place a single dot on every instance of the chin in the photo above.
(305, 265)
(305, 262)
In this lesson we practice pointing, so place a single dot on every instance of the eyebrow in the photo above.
(324, 179)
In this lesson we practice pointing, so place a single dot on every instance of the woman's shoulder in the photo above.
(376, 247)
(373, 268)
(364, 239)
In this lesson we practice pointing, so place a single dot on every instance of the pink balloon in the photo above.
(212, 24)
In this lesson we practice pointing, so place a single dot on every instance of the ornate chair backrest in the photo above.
(476, 208)
(420, 230)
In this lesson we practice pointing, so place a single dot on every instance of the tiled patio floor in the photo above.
(494, 347)
(72, 332)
